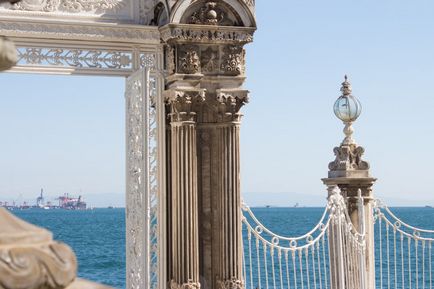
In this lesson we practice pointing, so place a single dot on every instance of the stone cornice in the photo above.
(188, 33)
(83, 31)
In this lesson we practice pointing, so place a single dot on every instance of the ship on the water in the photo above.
(65, 202)
(70, 203)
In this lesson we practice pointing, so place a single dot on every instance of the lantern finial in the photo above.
(346, 87)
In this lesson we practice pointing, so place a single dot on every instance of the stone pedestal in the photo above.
(351, 174)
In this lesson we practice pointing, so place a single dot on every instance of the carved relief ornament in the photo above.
(69, 6)
(189, 61)
(233, 61)
(170, 59)
(207, 15)
(210, 60)
(348, 157)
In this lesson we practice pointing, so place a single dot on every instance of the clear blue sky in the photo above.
(66, 134)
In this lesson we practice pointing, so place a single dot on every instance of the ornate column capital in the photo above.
(184, 104)
(229, 103)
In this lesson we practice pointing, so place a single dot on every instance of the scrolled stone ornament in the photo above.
(8, 54)
(30, 259)
(190, 62)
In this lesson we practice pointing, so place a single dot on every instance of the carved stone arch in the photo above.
(236, 10)
(160, 14)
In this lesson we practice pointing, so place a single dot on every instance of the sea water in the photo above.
(98, 236)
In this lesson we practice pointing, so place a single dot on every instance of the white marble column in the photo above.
(184, 248)
(228, 205)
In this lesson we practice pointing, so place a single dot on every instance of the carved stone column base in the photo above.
(233, 283)
(189, 285)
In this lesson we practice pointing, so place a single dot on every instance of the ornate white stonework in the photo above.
(206, 33)
(203, 42)
(145, 188)
(75, 58)
(69, 6)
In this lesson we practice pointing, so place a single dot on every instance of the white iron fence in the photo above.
(331, 255)
(403, 253)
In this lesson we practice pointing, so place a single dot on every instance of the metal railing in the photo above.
(331, 255)
(403, 253)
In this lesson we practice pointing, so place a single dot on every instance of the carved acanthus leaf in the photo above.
(184, 104)
(230, 103)
(348, 157)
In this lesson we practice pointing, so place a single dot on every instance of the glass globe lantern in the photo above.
(347, 108)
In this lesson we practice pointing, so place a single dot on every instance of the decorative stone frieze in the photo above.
(233, 61)
(69, 6)
(233, 283)
(189, 60)
(75, 57)
(83, 31)
(183, 104)
(206, 33)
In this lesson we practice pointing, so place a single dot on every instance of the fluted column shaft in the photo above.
(229, 207)
(184, 265)
(185, 242)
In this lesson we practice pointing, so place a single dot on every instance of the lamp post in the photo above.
(351, 174)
